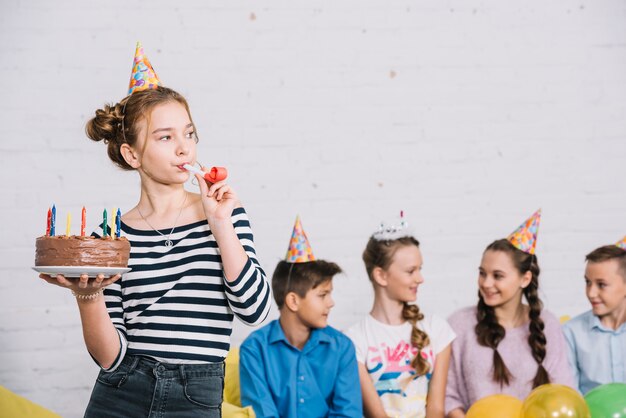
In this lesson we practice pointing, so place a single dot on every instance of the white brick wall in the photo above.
(468, 115)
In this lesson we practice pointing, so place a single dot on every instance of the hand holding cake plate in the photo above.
(77, 271)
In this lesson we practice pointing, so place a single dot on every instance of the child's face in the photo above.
(605, 287)
(314, 307)
(499, 282)
(404, 274)
(166, 143)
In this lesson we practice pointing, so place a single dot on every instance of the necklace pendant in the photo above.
(169, 243)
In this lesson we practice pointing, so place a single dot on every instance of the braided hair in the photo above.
(379, 253)
(490, 333)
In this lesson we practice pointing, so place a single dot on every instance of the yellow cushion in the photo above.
(231, 408)
(232, 393)
(15, 406)
(233, 411)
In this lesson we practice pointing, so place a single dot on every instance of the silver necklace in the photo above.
(168, 241)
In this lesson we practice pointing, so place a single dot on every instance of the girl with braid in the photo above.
(503, 345)
(402, 354)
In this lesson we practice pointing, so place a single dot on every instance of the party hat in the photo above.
(299, 250)
(143, 76)
(389, 231)
(525, 237)
(622, 243)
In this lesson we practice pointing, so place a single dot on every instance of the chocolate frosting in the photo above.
(62, 250)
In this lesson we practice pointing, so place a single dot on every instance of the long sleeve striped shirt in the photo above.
(175, 304)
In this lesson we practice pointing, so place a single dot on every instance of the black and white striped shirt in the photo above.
(175, 304)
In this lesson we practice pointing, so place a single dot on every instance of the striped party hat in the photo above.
(525, 237)
(299, 250)
(622, 243)
(143, 75)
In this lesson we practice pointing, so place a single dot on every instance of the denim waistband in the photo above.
(170, 370)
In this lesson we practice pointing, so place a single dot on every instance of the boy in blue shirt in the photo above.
(597, 338)
(298, 366)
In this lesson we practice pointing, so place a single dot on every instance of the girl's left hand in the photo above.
(218, 199)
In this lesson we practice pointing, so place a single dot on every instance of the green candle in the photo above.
(104, 223)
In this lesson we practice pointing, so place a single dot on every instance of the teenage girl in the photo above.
(402, 354)
(503, 345)
(161, 332)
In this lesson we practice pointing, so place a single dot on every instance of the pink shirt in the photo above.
(470, 373)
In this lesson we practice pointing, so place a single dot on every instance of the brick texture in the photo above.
(467, 115)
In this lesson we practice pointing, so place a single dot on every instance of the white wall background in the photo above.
(466, 114)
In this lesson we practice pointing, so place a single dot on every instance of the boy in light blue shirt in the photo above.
(298, 366)
(597, 338)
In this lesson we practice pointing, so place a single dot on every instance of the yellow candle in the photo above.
(112, 223)
(67, 225)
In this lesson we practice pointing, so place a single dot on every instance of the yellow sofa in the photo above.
(16, 406)
(231, 407)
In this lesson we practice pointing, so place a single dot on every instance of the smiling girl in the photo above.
(503, 345)
(402, 354)
(160, 333)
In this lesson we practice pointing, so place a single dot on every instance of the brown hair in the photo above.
(300, 278)
(119, 123)
(489, 332)
(608, 253)
(380, 254)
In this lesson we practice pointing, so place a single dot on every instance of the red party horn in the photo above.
(214, 175)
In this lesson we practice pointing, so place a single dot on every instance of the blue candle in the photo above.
(118, 223)
(104, 224)
(53, 220)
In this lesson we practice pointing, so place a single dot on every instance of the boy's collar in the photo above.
(596, 323)
(277, 335)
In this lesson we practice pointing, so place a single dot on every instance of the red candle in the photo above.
(48, 222)
(82, 223)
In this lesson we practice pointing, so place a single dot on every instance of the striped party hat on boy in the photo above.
(299, 250)
(143, 75)
(525, 237)
(622, 243)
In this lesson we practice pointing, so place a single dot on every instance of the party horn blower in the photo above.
(214, 175)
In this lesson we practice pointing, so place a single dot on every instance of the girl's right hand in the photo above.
(81, 286)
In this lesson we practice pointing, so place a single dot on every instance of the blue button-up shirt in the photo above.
(279, 380)
(597, 354)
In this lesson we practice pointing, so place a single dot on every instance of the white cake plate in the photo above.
(77, 271)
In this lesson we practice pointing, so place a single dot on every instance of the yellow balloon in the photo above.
(555, 401)
(495, 406)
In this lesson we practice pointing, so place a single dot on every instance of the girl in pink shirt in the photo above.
(503, 345)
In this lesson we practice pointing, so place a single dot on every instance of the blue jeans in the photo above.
(142, 387)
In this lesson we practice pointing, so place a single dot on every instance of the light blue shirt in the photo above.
(279, 380)
(597, 354)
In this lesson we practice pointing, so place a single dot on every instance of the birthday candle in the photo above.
(48, 219)
(53, 220)
(82, 222)
(118, 223)
(104, 224)
(112, 223)
(67, 224)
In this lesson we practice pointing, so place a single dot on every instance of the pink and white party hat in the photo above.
(525, 237)
(299, 250)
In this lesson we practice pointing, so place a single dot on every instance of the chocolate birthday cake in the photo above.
(62, 250)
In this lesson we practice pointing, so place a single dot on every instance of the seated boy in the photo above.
(597, 338)
(298, 366)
